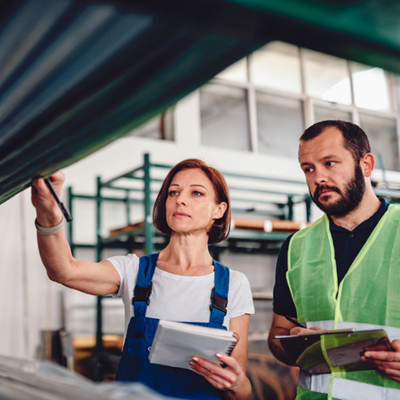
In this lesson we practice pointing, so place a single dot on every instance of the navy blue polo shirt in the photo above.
(347, 245)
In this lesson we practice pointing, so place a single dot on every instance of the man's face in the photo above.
(336, 182)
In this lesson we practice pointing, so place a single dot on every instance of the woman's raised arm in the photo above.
(93, 278)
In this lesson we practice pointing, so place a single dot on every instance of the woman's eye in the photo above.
(196, 193)
(173, 193)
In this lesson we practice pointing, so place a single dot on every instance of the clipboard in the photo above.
(323, 352)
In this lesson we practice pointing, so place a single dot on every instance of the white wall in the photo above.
(29, 301)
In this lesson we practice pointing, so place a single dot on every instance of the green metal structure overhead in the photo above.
(77, 74)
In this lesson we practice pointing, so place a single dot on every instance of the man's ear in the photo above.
(367, 164)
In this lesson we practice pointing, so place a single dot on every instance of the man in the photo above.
(344, 270)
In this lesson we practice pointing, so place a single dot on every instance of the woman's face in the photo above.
(191, 205)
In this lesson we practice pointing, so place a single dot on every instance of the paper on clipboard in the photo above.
(330, 351)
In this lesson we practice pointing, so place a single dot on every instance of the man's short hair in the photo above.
(354, 137)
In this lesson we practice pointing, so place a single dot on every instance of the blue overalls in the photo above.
(134, 364)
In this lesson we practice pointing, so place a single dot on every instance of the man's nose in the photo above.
(320, 176)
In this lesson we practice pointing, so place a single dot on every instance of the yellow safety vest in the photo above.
(368, 297)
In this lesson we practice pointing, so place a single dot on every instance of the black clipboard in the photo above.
(322, 352)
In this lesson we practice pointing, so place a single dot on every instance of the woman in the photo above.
(193, 208)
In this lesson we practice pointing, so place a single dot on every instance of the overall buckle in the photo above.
(218, 302)
(142, 294)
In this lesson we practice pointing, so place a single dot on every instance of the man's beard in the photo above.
(350, 198)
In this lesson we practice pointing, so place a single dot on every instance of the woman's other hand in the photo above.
(231, 378)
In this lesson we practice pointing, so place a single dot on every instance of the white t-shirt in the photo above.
(181, 298)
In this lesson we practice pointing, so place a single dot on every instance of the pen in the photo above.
(53, 192)
(293, 321)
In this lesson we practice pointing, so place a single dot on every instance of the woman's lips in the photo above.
(179, 214)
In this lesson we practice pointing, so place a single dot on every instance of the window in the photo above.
(277, 66)
(327, 77)
(159, 127)
(383, 139)
(370, 87)
(236, 72)
(224, 118)
(279, 117)
(396, 91)
(326, 113)
(263, 102)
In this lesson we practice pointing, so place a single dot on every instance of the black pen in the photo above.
(53, 192)
(293, 321)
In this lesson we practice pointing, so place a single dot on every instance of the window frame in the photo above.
(308, 102)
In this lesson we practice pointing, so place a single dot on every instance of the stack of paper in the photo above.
(175, 343)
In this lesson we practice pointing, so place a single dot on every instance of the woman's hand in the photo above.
(48, 211)
(231, 378)
(93, 278)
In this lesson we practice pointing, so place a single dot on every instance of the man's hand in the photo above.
(282, 327)
(297, 330)
(386, 361)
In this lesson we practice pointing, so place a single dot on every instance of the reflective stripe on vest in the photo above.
(367, 297)
(345, 389)
(316, 383)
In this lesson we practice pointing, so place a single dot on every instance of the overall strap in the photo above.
(142, 292)
(219, 294)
